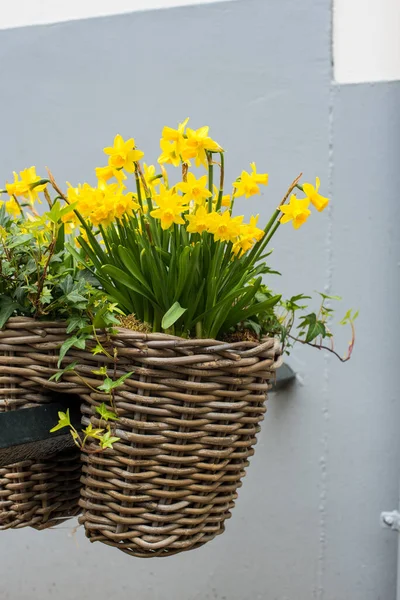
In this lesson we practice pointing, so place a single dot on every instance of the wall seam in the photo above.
(324, 458)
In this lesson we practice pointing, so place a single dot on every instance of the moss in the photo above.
(131, 322)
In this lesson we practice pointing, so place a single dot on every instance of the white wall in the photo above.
(19, 13)
(366, 40)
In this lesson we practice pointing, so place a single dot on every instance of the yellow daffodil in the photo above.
(320, 202)
(151, 177)
(258, 177)
(197, 142)
(249, 234)
(296, 211)
(23, 186)
(104, 204)
(12, 207)
(198, 221)
(106, 173)
(169, 154)
(123, 154)
(224, 227)
(226, 201)
(248, 184)
(194, 189)
(169, 207)
(176, 136)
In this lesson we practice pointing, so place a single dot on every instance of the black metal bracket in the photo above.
(25, 434)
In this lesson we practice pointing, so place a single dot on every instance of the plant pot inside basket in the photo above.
(188, 419)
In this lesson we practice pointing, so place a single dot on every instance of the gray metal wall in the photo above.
(306, 525)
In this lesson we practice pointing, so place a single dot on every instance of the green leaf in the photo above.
(78, 342)
(7, 308)
(93, 433)
(106, 414)
(349, 317)
(108, 384)
(107, 440)
(57, 376)
(172, 315)
(119, 276)
(63, 421)
(75, 298)
(327, 297)
(20, 240)
(76, 322)
(101, 371)
(315, 328)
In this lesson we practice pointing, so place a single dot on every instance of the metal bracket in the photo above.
(391, 520)
(285, 376)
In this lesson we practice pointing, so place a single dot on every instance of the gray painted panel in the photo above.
(363, 414)
(258, 73)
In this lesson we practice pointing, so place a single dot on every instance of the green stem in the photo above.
(139, 191)
(199, 332)
(271, 234)
(221, 182)
(210, 179)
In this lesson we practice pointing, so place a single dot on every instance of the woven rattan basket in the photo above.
(188, 419)
(37, 493)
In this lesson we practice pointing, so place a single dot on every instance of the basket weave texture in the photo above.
(188, 419)
(40, 494)
(188, 416)
(43, 493)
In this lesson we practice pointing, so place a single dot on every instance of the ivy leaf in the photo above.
(77, 322)
(349, 317)
(101, 371)
(108, 384)
(98, 349)
(78, 342)
(106, 414)
(315, 328)
(94, 433)
(107, 440)
(75, 298)
(57, 376)
(63, 421)
(327, 297)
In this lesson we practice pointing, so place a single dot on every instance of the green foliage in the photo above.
(106, 414)
(109, 385)
(63, 421)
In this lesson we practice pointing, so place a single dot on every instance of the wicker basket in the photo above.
(40, 494)
(36, 493)
(188, 419)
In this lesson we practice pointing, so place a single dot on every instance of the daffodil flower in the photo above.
(123, 154)
(169, 208)
(224, 227)
(311, 192)
(248, 183)
(194, 189)
(197, 143)
(198, 221)
(296, 211)
(23, 186)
